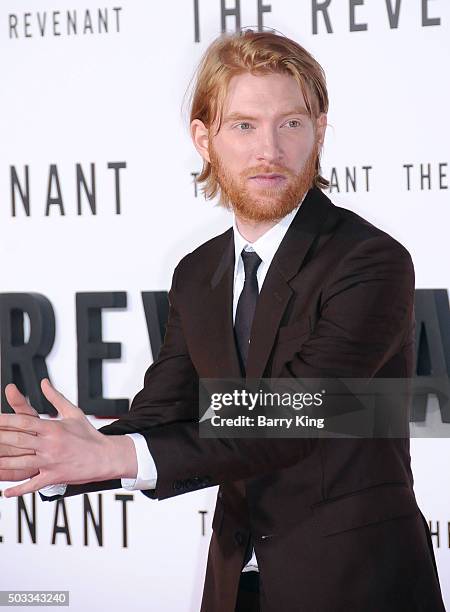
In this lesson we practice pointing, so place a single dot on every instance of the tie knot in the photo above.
(251, 261)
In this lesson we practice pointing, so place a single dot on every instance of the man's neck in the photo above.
(252, 230)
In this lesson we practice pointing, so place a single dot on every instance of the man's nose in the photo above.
(268, 146)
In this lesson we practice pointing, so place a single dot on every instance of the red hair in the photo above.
(257, 53)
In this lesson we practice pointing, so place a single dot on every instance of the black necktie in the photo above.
(246, 305)
(243, 324)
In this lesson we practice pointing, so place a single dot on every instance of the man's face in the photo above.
(265, 151)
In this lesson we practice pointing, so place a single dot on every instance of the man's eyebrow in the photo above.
(299, 110)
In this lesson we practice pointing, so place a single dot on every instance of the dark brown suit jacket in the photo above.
(334, 522)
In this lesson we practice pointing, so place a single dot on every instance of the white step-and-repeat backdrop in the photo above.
(99, 203)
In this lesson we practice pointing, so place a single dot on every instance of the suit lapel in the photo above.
(218, 322)
(276, 291)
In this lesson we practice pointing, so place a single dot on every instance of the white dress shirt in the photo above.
(266, 247)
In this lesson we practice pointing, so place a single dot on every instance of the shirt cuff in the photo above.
(146, 474)
(50, 490)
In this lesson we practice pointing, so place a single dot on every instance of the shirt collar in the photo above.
(267, 244)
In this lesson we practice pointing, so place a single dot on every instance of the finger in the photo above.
(24, 422)
(18, 402)
(12, 451)
(26, 462)
(20, 439)
(15, 475)
(61, 403)
(34, 484)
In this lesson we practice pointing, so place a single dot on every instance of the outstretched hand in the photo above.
(54, 451)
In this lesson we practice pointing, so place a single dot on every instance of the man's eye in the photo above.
(244, 126)
(293, 123)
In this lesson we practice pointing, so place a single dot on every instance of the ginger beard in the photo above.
(263, 203)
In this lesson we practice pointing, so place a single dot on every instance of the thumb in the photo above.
(64, 407)
(18, 402)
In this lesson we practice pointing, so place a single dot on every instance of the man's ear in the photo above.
(321, 126)
(199, 134)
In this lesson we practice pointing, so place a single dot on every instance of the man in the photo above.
(298, 288)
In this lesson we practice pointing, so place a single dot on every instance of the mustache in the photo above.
(266, 170)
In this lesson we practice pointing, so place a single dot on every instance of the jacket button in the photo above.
(239, 538)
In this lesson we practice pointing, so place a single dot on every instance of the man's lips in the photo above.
(266, 175)
(265, 180)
